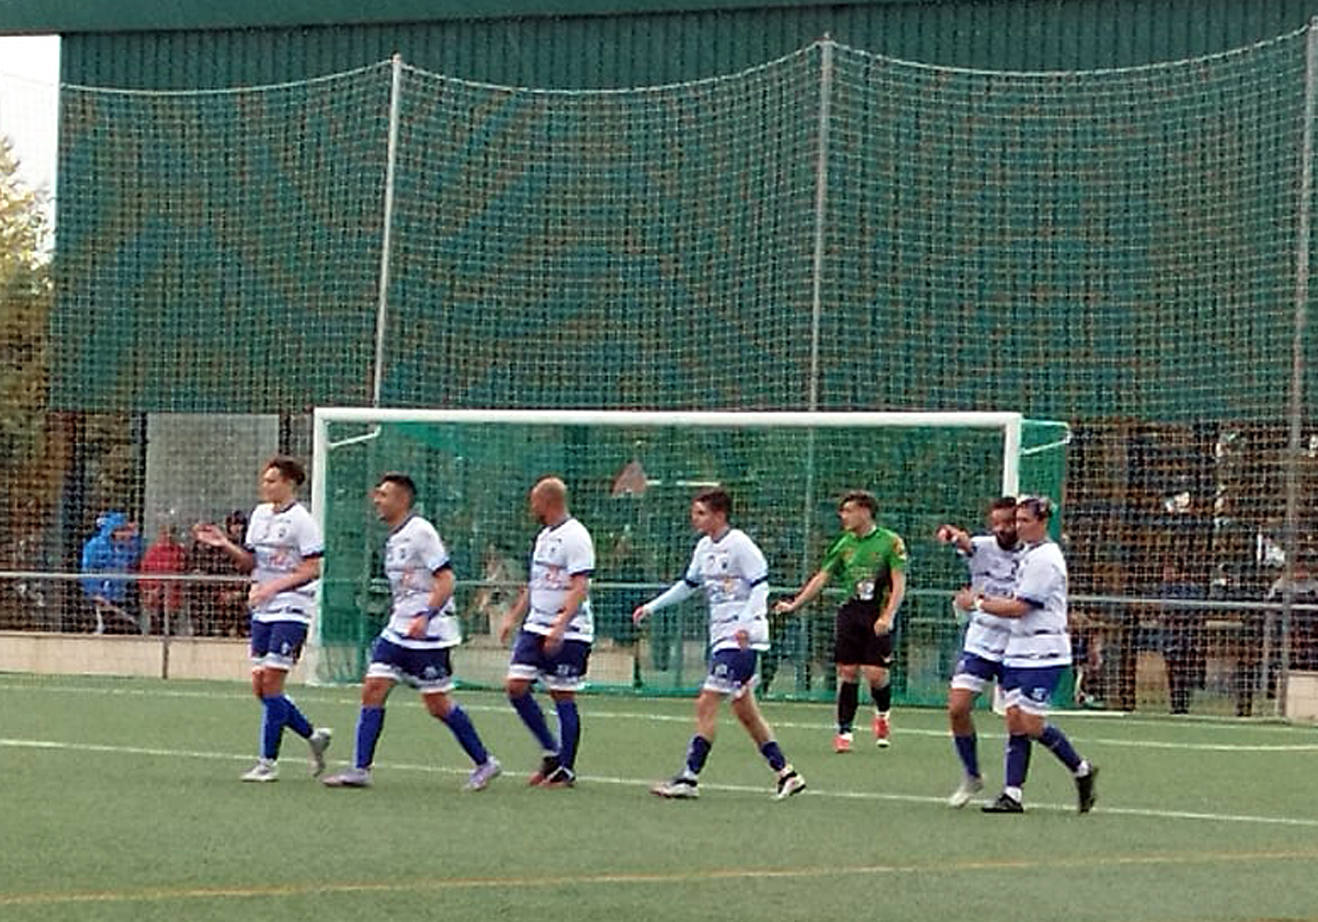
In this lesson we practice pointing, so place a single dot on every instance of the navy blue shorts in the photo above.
(277, 644)
(733, 672)
(973, 672)
(564, 670)
(1031, 689)
(428, 671)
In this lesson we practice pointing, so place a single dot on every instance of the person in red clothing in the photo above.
(164, 598)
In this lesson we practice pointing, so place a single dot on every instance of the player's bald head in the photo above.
(549, 499)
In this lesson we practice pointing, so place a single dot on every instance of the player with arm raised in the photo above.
(415, 645)
(554, 642)
(992, 561)
(731, 571)
(872, 563)
(282, 550)
(1038, 650)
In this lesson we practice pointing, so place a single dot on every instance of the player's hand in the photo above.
(210, 534)
(259, 594)
(640, 614)
(783, 607)
(554, 639)
(965, 599)
(946, 534)
(743, 639)
(417, 629)
(882, 627)
(505, 629)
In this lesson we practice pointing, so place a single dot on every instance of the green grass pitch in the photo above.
(122, 802)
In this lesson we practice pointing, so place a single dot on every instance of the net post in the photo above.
(319, 466)
(826, 48)
(387, 233)
(1011, 456)
(1303, 220)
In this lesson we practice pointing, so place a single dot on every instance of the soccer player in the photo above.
(282, 551)
(414, 646)
(992, 560)
(872, 563)
(732, 572)
(1038, 649)
(554, 641)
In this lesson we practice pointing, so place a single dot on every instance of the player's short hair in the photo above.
(400, 480)
(860, 498)
(1041, 507)
(715, 500)
(288, 468)
(1002, 502)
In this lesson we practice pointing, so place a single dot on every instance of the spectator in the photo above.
(502, 576)
(1182, 636)
(221, 608)
(164, 599)
(115, 548)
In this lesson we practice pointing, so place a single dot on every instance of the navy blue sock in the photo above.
(882, 695)
(697, 751)
(534, 718)
(1017, 760)
(569, 729)
(273, 716)
(460, 724)
(966, 748)
(369, 724)
(295, 720)
(771, 752)
(1061, 747)
(848, 699)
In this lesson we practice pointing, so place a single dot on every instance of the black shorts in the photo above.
(854, 641)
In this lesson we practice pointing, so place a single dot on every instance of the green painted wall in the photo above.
(635, 48)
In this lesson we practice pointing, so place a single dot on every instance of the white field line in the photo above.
(405, 698)
(56, 745)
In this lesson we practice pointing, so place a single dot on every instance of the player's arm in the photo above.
(681, 590)
(807, 594)
(578, 586)
(516, 612)
(305, 572)
(896, 592)
(957, 537)
(213, 535)
(440, 593)
(994, 605)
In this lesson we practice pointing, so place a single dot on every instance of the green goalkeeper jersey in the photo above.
(865, 564)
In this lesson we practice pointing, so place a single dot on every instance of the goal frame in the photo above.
(1009, 423)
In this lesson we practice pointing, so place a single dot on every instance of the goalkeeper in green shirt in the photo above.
(871, 562)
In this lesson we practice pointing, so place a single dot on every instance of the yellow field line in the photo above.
(320, 888)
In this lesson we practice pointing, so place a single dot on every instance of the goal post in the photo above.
(631, 476)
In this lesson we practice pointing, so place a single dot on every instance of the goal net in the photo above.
(631, 477)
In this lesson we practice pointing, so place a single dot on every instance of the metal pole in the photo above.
(386, 240)
(826, 47)
(1302, 244)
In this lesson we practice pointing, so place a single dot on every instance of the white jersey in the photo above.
(992, 572)
(735, 579)
(413, 554)
(280, 540)
(1040, 638)
(561, 552)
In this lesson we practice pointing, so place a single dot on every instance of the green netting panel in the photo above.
(1112, 243)
(632, 487)
(219, 251)
(642, 248)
